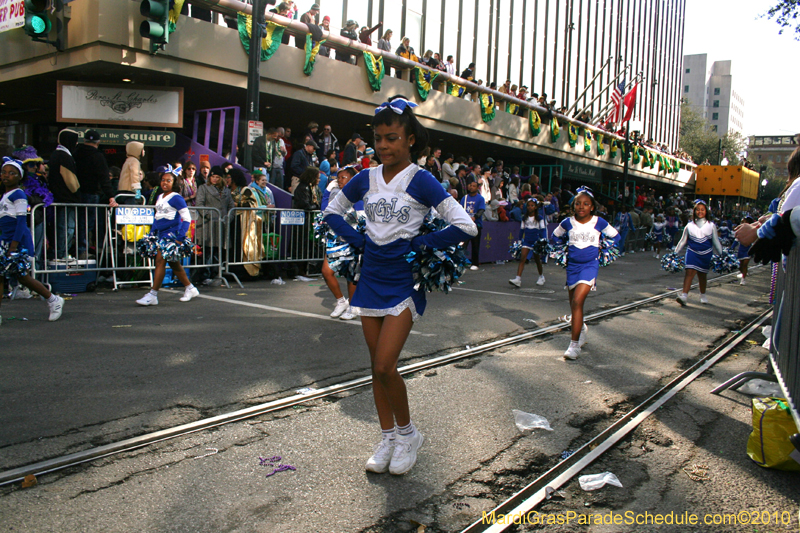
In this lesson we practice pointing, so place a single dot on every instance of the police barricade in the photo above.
(785, 341)
(259, 235)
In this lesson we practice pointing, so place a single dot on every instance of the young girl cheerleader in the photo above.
(742, 254)
(699, 236)
(658, 231)
(171, 223)
(533, 228)
(397, 195)
(583, 232)
(15, 237)
(342, 309)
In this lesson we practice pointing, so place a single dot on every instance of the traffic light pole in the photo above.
(254, 75)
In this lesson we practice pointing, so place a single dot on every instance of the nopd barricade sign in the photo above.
(135, 215)
(293, 218)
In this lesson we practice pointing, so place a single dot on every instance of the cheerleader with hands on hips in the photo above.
(658, 230)
(397, 196)
(533, 228)
(699, 237)
(172, 221)
(15, 236)
(582, 232)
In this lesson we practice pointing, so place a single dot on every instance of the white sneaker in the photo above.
(572, 352)
(347, 315)
(56, 308)
(474, 267)
(743, 282)
(20, 293)
(658, 256)
(682, 299)
(582, 338)
(148, 299)
(379, 462)
(405, 452)
(517, 282)
(189, 293)
(540, 281)
(739, 275)
(341, 307)
(703, 299)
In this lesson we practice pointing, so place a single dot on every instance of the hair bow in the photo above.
(584, 189)
(14, 163)
(534, 200)
(166, 169)
(700, 201)
(398, 105)
(177, 170)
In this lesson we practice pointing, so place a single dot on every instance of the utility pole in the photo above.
(254, 74)
(625, 152)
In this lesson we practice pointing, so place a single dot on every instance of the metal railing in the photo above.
(259, 235)
(785, 340)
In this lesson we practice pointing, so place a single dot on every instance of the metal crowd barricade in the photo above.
(209, 242)
(258, 235)
(127, 224)
(785, 342)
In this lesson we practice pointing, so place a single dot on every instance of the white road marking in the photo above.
(286, 311)
(505, 294)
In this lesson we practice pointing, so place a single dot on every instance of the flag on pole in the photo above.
(630, 103)
(617, 99)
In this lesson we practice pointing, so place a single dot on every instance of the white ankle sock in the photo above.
(388, 433)
(153, 292)
(407, 431)
(341, 301)
(52, 298)
(573, 344)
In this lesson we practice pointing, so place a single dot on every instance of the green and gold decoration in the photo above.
(487, 107)
(614, 147)
(636, 157)
(587, 140)
(423, 79)
(534, 122)
(454, 89)
(601, 148)
(269, 43)
(312, 50)
(375, 70)
(174, 12)
(554, 130)
(572, 132)
(512, 108)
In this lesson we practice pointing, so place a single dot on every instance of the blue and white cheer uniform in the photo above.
(172, 217)
(13, 220)
(394, 213)
(699, 238)
(583, 250)
(532, 230)
(658, 231)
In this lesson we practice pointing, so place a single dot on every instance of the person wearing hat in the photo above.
(350, 156)
(212, 193)
(203, 172)
(301, 160)
(94, 179)
(348, 32)
(34, 183)
(309, 17)
(365, 35)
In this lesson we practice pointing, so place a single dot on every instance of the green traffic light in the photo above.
(38, 25)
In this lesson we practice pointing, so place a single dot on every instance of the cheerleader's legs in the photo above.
(688, 278)
(523, 256)
(743, 266)
(577, 297)
(330, 280)
(29, 281)
(161, 270)
(385, 338)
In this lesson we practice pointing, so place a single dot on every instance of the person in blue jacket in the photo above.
(397, 196)
(533, 227)
(624, 224)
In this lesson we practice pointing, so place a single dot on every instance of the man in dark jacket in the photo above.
(351, 150)
(93, 178)
(63, 182)
(301, 160)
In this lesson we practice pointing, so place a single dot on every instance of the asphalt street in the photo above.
(110, 370)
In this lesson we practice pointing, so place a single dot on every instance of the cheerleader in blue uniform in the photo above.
(172, 221)
(533, 228)
(742, 254)
(582, 233)
(699, 237)
(15, 236)
(658, 232)
(397, 195)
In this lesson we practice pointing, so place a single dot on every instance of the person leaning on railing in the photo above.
(214, 194)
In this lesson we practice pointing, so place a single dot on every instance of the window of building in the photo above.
(714, 116)
(714, 127)
(716, 103)
(686, 88)
(716, 91)
(688, 70)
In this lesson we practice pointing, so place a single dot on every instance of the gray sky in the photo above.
(763, 63)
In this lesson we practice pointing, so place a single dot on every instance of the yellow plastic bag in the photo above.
(769, 444)
(132, 232)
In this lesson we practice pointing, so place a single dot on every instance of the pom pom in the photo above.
(147, 246)
(725, 263)
(174, 251)
(542, 248)
(435, 269)
(650, 238)
(666, 240)
(14, 264)
(559, 254)
(608, 251)
(671, 262)
(515, 250)
(344, 260)
(321, 229)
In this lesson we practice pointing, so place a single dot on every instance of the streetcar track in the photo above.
(539, 490)
(133, 443)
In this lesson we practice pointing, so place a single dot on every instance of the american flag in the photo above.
(616, 97)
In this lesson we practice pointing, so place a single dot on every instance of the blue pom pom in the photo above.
(608, 251)
(671, 262)
(147, 246)
(344, 260)
(435, 269)
(542, 248)
(650, 238)
(174, 251)
(515, 250)
(725, 263)
(14, 264)
(559, 254)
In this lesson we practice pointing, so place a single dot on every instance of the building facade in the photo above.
(772, 149)
(709, 88)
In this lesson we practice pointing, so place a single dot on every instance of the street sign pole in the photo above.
(254, 73)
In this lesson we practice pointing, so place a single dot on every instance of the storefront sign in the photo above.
(582, 173)
(12, 14)
(128, 105)
(161, 139)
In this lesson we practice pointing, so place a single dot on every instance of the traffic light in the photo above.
(37, 23)
(156, 28)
